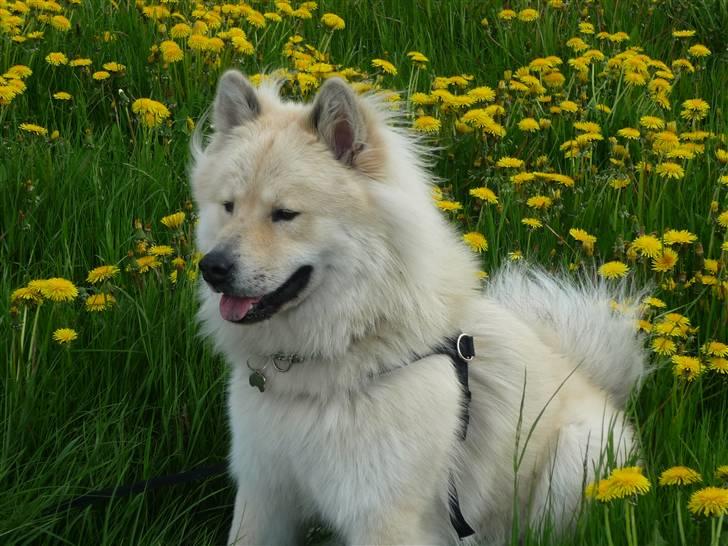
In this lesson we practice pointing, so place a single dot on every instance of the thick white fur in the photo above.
(359, 435)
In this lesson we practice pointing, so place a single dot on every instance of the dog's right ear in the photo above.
(235, 102)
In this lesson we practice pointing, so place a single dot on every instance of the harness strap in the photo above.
(461, 351)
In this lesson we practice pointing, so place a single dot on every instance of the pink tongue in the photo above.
(234, 308)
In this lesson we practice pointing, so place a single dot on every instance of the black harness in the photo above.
(461, 351)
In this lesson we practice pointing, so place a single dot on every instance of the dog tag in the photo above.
(257, 379)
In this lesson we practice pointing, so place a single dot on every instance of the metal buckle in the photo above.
(460, 353)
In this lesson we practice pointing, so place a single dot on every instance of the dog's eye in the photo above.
(283, 215)
(229, 206)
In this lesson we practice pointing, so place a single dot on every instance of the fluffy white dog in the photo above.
(337, 292)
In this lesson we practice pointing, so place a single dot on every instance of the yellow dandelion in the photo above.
(583, 237)
(723, 219)
(533, 223)
(485, 194)
(683, 33)
(18, 71)
(698, 50)
(426, 124)
(686, 367)
(665, 261)
(515, 256)
(721, 473)
(114, 67)
(385, 66)
(26, 295)
(509, 163)
(625, 482)
(528, 124)
(102, 273)
(174, 221)
(55, 289)
(680, 237)
(569, 106)
(146, 263)
(715, 348)
(718, 364)
(161, 250)
(613, 270)
(171, 52)
(664, 346)
(64, 336)
(180, 30)
(476, 241)
(151, 112)
(333, 21)
(680, 475)
(654, 302)
(721, 155)
(528, 15)
(100, 302)
(482, 94)
(652, 122)
(449, 206)
(539, 202)
(33, 129)
(506, 15)
(709, 502)
(101, 75)
(668, 169)
(423, 99)
(62, 95)
(629, 133)
(80, 62)
(56, 58)
(694, 109)
(417, 57)
(647, 245)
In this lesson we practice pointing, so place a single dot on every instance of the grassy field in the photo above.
(576, 135)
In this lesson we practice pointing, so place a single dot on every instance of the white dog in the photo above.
(338, 293)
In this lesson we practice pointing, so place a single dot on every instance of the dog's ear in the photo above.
(337, 119)
(235, 102)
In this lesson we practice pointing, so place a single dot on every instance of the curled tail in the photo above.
(581, 322)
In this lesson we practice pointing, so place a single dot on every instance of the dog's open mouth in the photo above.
(247, 310)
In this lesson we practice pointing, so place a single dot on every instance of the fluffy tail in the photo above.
(579, 315)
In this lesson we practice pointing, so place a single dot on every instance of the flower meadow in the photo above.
(583, 136)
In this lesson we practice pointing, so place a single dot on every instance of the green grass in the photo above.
(139, 394)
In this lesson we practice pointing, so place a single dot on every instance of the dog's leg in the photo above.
(260, 517)
(579, 453)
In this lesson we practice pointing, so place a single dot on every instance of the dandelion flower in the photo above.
(723, 219)
(698, 50)
(718, 364)
(145, 263)
(476, 241)
(64, 336)
(680, 237)
(569, 106)
(426, 124)
(333, 21)
(56, 58)
(482, 94)
(533, 223)
(721, 473)
(647, 245)
(385, 66)
(80, 62)
(539, 202)
(485, 194)
(629, 133)
(506, 15)
(683, 33)
(174, 221)
(101, 75)
(687, 367)
(668, 169)
(102, 273)
(665, 261)
(680, 475)
(55, 289)
(694, 109)
(624, 482)
(709, 502)
(161, 250)
(613, 270)
(34, 129)
(509, 163)
(151, 112)
(715, 348)
(528, 15)
(654, 302)
(583, 237)
(100, 302)
(171, 52)
(664, 346)
(62, 95)
(26, 295)
(528, 124)
(652, 122)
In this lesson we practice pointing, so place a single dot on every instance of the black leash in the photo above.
(196, 474)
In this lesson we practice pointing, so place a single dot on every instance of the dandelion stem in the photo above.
(680, 528)
(607, 528)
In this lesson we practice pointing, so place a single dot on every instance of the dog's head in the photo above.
(282, 195)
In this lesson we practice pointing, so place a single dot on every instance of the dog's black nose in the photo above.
(216, 267)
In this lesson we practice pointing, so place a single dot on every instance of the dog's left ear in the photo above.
(337, 119)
